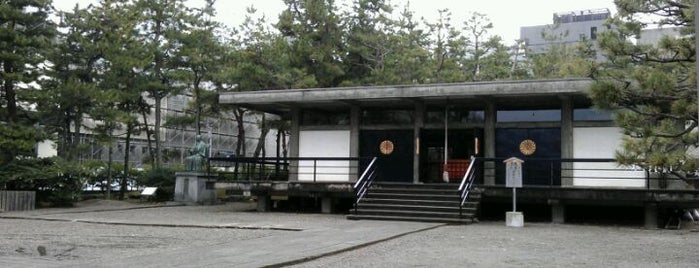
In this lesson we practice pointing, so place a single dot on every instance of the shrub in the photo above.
(164, 179)
(57, 182)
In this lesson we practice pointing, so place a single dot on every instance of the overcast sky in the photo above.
(506, 15)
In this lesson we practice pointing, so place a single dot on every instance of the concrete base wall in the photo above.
(558, 212)
(194, 188)
(651, 216)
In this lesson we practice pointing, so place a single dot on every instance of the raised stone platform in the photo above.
(195, 188)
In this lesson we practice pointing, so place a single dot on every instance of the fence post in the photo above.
(551, 174)
(315, 164)
(262, 165)
(276, 167)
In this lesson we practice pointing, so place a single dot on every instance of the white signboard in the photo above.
(513, 172)
(149, 191)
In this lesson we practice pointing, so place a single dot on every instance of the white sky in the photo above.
(506, 15)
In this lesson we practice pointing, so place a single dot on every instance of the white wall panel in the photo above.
(602, 142)
(324, 143)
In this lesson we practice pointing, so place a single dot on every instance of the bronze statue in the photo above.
(197, 156)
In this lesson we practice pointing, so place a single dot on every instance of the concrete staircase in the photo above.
(416, 202)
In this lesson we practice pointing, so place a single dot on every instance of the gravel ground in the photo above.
(70, 242)
(491, 244)
(55, 237)
(58, 237)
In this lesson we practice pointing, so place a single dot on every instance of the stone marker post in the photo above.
(513, 179)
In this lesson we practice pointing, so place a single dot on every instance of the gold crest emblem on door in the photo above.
(527, 147)
(386, 147)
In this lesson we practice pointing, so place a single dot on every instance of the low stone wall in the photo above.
(17, 200)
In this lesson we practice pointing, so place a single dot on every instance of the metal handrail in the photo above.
(361, 187)
(467, 183)
(266, 168)
(361, 178)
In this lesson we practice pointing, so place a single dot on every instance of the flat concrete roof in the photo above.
(540, 92)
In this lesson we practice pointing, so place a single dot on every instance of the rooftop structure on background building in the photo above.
(579, 16)
(568, 28)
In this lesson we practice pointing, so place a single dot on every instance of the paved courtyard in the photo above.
(118, 234)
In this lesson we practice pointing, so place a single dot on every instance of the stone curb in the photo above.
(168, 225)
(351, 248)
(113, 209)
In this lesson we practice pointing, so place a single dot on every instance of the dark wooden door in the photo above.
(395, 165)
(541, 167)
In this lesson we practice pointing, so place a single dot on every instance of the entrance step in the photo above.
(421, 219)
(417, 202)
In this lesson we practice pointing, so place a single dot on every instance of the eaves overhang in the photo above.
(282, 101)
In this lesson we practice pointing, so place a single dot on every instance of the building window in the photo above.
(456, 115)
(529, 116)
(325, 118)
(591, 114)
(387, 117)
(593, 33)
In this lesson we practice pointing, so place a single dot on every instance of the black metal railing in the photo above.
(557, 172)
(364, 182)
(303, 169)
(467, 183)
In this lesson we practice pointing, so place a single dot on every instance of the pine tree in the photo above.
(26, 33)
(312, 29)
(652, 87)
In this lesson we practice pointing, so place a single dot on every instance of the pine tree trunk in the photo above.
(264, 130)
(125, 177)
(10, 95)
(157, 156)
(149, 132)
(240, 146)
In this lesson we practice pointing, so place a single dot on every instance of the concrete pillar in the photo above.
(558, 211)
(653, 180)
(294, 135)
(355, 116)
(419, 124)
(264, 203)
(326, 205)
(651, 215)
(489, 136)
(566, 140)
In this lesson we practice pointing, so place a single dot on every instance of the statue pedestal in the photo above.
(195, 188)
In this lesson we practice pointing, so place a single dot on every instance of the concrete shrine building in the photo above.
(431, 134)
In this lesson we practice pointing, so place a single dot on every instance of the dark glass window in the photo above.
(529, 116)
(455, 116)
(593, 33)
(387, 117)
(325, 118)
(591, 114)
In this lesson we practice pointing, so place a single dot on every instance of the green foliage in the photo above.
(164, 179)
(561, 60)
(26, 34)
(56, 181)
(652, 86)
(313, 30)
(17, 141)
